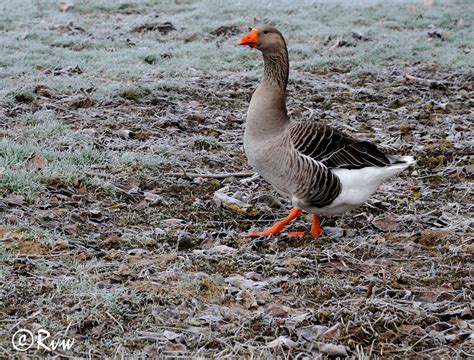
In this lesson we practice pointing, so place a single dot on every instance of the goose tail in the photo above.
(401, 162)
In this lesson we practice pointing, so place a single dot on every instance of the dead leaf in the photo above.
(172, 222)
(312, 333)
(70, 229)
(222, 250)
(211, 318)
(41, 68)
(300, 317)
(411, 329)
(15, 200)
(281, 341)
(333, 350)
(278, 311)
(235, 205)
(43, 90)
(29, 247)
(123, 133)
(174, 349)
(386, 223)
(170, 335)
(65, 6)
(61, 245)
(246, 299)
(153, 199)
(243, 283)
(333, 333)
(38, 160)
(4, 233)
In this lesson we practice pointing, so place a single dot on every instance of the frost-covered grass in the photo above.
(68, 154)
(116, 62)
(111, 56)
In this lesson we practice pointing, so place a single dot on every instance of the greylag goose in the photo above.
(322, 170)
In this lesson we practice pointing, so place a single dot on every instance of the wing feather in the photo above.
(334, 149)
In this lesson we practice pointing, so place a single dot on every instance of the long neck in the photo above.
(267, 116)
(276, 69)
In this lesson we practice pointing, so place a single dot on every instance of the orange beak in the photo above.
(251, 39)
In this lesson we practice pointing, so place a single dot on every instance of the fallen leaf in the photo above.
(281, 341)
(64, 6)
(469, 169)
(222, 250)
(299, 318)
(123, 133)
(386, 223)
(15, 200)
(211, 318)
(170, 335)
(312, 333)
(153, 199)
(333, 350)
(174, 349)
(61, 245)
(172, 222)
(38, 160)
(411, 329)
(70, 229)
(278, 311)
(235, 205)
(29, 247)
(333, 333)
(4, 233)
(246, 299)
(242, 283)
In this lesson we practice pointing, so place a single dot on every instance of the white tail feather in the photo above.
(359, 184)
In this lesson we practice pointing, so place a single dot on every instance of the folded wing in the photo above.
(334, 149)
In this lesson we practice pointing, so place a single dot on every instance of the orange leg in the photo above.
(277, 227)
(315, 227)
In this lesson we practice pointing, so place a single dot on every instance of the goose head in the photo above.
(266, 38)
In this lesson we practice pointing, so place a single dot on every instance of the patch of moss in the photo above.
(24, 98)
(134, 94)
(150, 59)
(208, 289)
(206, 143)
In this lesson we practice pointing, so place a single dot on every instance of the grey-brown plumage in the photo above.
(319, 168)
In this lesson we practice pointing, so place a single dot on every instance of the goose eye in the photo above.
(265, 32)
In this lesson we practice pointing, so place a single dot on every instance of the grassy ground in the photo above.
(99, 242)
